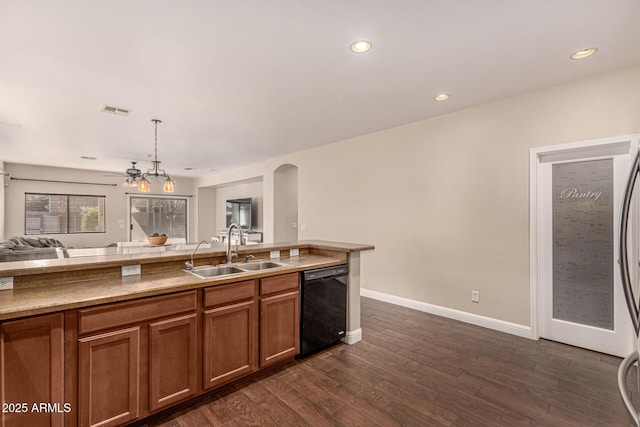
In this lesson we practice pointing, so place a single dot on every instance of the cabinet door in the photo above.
(173, 358)
(109, 378)
(229, 349)
(32, 371)
(279, 327)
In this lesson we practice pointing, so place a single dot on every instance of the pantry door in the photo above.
(581, 300)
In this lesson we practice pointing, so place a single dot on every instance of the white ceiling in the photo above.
(239, 81)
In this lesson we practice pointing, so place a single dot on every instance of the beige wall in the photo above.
(285, 203)
(205, 201)
(116, 200)
(445, 200)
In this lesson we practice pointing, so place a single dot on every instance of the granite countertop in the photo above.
(48, 299)
(19, 268)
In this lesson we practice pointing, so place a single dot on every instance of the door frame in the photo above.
(157, 196)
(605, 145)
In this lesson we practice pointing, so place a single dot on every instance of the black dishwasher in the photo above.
(323, 313)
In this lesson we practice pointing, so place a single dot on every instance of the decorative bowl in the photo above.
(157, 241)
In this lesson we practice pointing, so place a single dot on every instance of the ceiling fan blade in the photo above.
(116, 174)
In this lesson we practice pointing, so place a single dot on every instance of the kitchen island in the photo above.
(103, 347)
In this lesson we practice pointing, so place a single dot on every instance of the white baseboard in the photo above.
(450, 313)
(353, 337)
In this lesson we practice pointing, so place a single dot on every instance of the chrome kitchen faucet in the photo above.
(230, 253)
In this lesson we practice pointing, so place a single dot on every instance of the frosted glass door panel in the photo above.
(583, 243)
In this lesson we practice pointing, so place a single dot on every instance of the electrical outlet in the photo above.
(294, 252)
(131, 270)
(274, 254)
(6, 283)
(475, 296)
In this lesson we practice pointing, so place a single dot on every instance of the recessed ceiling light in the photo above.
(442, 97)
(88, 158)
(360, 46)
(584, 53)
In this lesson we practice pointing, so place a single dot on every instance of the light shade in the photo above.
(143, 185)
(168, 185)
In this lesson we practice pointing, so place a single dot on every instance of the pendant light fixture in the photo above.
(155, 171)
(133, 176)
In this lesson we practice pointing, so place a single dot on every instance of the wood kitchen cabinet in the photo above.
(136, 357)
(121, 362)
(32, 371)
(230, 338)
(92, 348)
(172, 360)
(108, 389)
(279, 318)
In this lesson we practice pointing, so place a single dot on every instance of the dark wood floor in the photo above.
(415, 369)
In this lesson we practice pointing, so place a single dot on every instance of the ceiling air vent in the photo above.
(115, 110)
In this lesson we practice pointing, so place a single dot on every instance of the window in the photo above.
(162, 215)
(63, 214)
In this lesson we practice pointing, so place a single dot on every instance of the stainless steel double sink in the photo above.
(208, 271)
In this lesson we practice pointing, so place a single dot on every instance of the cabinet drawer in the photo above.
(273, 285)
(114, 315)
(225, 294)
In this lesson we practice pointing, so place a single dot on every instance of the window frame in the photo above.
(68, 216)
(157, 196)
